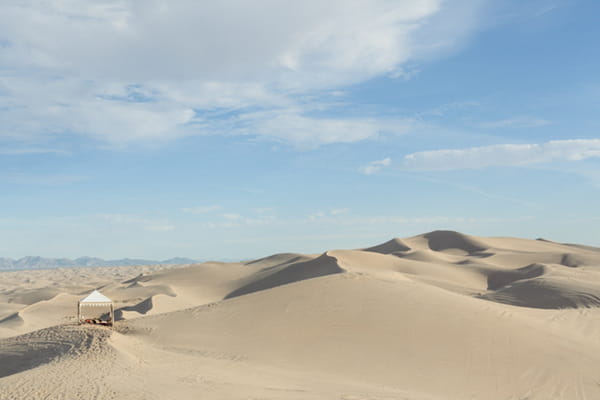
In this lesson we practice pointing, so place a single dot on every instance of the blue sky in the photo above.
(236, 130)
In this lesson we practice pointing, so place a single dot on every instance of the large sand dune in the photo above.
(436, 316)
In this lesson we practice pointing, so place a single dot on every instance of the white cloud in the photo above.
(316, 216)
(516, 122)
(449, 108)
(376, 166)
(232, 216)
(201, 209)
(124, 71)
(321, 215)
(339, 211)
(160, 227)
(233, 220)
(503, 155)
(307, 132)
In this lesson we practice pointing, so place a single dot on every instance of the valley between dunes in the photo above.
(441, 315)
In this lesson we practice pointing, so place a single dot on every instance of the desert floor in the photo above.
(436, 316)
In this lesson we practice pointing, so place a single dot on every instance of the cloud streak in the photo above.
(201, 209)
(503, 155)
(516, 122)
(375, 166)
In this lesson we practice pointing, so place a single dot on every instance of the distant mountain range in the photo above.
(8, 264)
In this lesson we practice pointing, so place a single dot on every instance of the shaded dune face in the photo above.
(390, 247)
(547, 294)
(444, 240)
(290, 273)
(13, 320)
(31, 296)
(277, 260)
(536, 286)
(499, 279)
(143, 307)
(571, 260)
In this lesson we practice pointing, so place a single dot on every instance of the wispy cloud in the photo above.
(516, 122)
(232, 216)
(336, 212)
(303, 127)
(233, 220)
(304, 131)
(339, 211)
(550, 7)
(445, 109)
(375, 166)
(201, 209)
(503, 155)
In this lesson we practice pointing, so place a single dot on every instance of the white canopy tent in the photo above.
(95, 300)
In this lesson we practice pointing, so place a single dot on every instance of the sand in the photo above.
(436, 316)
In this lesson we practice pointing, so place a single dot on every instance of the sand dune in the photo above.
(436, 316)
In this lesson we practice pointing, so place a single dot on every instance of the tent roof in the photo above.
(95, 297)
